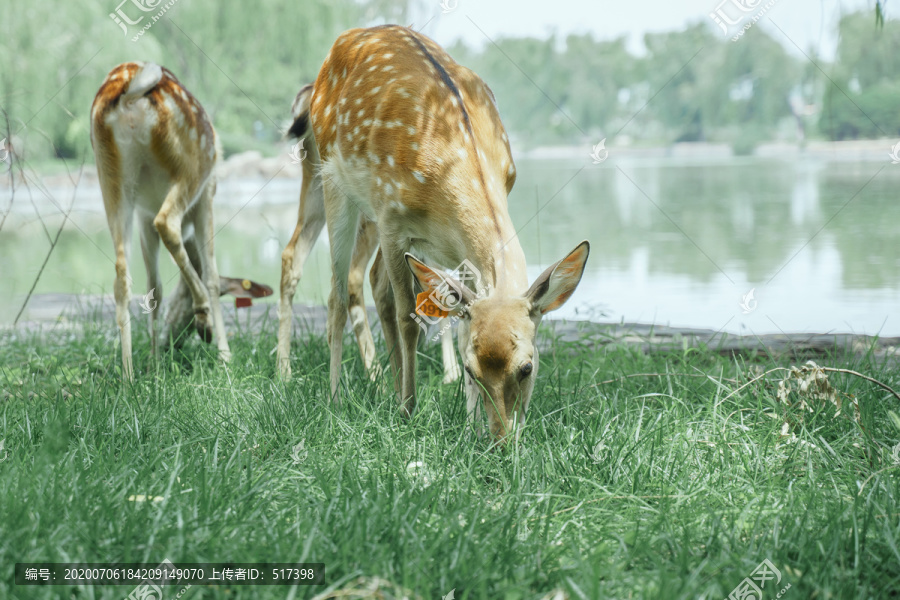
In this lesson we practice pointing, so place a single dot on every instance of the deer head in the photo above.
(497, 334)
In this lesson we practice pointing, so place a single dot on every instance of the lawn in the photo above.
(626, 485)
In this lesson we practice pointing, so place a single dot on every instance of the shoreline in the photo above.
(252, 165)
(67, 313)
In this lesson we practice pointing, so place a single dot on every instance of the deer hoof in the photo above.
(203, 326)
(284, 369)
(408, 408)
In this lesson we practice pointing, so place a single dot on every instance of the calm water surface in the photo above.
(673, 242)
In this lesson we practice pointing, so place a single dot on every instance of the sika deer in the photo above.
(410, 140)
(156, 151)
(310, 221)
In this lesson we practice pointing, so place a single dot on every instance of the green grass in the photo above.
(690, 490)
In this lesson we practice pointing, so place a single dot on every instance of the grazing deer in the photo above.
(180, 310)
(310, 221)
(410, 140)
(156, 150)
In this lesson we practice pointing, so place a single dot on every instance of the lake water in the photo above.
(673, 241)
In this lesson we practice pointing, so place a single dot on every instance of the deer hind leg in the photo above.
(310, 220)
(150, 252)
(168, 223)
(452, 371)
(387, 314)
(119, 209)
(343, 222)
(121, 234)
(202, 217)
(366, 242)
(180, 312)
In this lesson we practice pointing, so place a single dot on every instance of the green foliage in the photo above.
(598, 87)
(245, 64)
(864, 100)
(668, 486)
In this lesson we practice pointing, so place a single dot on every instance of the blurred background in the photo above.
(731, 162)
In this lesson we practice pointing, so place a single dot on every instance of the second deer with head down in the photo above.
(156, 153)
(403, 136)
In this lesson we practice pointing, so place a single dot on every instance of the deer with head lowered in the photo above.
(310, 221)
(156, 150)
(408, 139)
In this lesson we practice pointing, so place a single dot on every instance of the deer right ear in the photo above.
(442, 292)
(558, 282)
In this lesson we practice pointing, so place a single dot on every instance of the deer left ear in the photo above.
(558, 282)
(446, 292)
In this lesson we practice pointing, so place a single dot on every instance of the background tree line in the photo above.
(245, 63)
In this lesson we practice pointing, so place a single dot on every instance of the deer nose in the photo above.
(504, 437)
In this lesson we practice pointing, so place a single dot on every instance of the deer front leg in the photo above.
(205, 237)
(402, 283)
(150, 251)
(387, 314)
(366, 242)
(452, 371)
(343, 220)
(168, 223)
(310, 220)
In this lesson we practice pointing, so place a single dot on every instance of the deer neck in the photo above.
(493, 247)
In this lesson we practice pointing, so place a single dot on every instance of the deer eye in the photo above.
(469, 372)
(526, 370)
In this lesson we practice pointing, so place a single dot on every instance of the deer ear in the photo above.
(443, 295)
(558, 282)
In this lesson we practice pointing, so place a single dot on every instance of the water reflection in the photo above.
(673, 242)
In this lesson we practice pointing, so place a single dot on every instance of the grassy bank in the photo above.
(669, 486)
